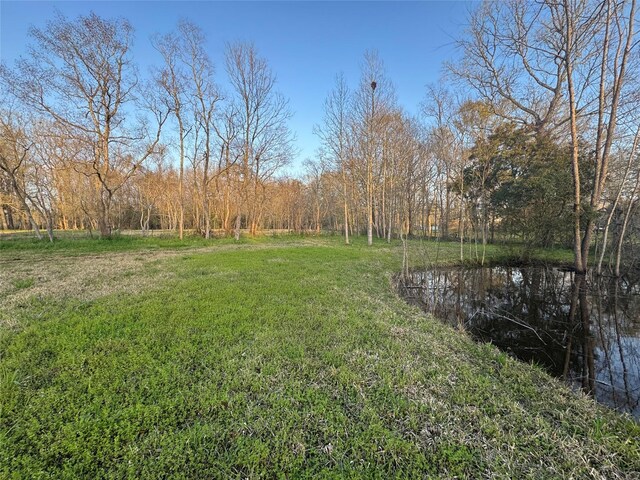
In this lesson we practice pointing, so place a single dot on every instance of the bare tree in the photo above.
(315, 172)
(79, 74)
(631, 156)
(262, 113)
(374, 98)
(172, 80)
(51, 150)
(553, 65)
(334, 134)
(512, 59)
(204, 98)
(228, 132)
(614, 21)
(16, 152)
(632, 204)
(449, 139)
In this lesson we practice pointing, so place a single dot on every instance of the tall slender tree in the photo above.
(334, 135)
(262, 113)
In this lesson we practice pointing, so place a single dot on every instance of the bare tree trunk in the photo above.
(3, 217)
(617, 199)
(238, 222)
(579, 263)
(370, 161)
(627, 215)
(461, 225)
(142, 223)
(346, 207)
(206, 204)
(603, 153)
(405, 252)
(21, 195)
(227, 211)
(104, 214)
(382, 213)
(181, 175)
(484, 235)
(50, 225)
(621, 237)
(34, 224)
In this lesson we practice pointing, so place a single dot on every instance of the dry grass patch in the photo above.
(29, 274)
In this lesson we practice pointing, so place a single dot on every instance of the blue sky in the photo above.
(305, 43)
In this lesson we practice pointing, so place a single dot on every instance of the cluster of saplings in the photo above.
(533, 140)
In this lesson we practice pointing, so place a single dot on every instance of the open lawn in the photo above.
(276, 357)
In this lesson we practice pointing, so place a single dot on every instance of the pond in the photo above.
(585, 330)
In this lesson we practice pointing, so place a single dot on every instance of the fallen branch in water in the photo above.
(517, 322)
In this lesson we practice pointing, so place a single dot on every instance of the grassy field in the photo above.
(276, 357)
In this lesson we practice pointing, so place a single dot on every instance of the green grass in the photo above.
(284, 357)
(20, 283)
(80, 243)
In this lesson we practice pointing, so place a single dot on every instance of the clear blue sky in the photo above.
(306, 43)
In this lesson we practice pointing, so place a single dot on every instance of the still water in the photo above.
(585, 330)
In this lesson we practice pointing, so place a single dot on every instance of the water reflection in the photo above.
(585, 330)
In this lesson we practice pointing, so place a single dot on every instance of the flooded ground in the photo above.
(585, 330)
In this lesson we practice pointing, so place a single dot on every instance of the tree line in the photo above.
(531, 136)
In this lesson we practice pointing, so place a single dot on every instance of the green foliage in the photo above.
(21, 283)
(279, 358)
(525, 181)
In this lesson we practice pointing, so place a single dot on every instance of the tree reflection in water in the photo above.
(585, 330)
